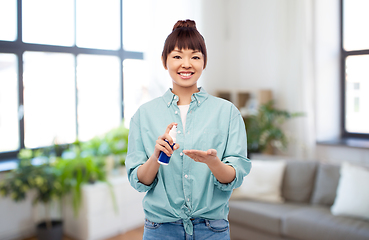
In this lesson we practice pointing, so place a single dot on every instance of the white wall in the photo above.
(327, 57)
(215, 33)
(242, 39)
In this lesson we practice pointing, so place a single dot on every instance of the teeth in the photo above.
(185, 74)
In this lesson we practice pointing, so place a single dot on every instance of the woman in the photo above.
(188, 198)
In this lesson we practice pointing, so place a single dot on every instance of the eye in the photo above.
(196, 57)
(177, 57)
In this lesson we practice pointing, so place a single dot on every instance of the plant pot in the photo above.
(54, 233)
(97, 218)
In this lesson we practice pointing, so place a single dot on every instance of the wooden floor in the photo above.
(135, 234)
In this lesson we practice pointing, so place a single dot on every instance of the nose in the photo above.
(186, 63)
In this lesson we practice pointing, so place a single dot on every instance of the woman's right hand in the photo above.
(163, 146)
(146, 173)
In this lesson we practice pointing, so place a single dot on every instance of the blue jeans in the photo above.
(202, 230)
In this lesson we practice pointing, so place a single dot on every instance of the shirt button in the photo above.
(175, 97)
(181, 154)
(188, 199)
(186, 176)
(199, 102)
(176, 112)
(179, 132)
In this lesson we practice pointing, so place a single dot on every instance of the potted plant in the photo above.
(78, 170)
(264, 131)
(36, 172)
(86, 162)
(84, 175)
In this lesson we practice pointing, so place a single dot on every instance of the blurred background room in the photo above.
(73, 73)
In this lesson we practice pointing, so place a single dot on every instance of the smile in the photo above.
(186, 74)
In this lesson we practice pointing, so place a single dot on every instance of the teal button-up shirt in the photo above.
(186, 189)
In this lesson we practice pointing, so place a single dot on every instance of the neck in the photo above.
(184, 94)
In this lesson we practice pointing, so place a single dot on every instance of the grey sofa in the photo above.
(309, 190)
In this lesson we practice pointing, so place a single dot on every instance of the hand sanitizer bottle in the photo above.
(163, 158)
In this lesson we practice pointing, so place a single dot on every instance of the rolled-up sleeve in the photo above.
(235, 153)
(136, 156)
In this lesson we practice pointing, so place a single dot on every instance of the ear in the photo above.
(164, 64)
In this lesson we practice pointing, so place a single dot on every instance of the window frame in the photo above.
(344, 54)
(18, 47)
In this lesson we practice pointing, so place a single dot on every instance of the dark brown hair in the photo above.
(184, 36)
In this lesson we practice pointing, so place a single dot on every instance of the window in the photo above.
(9, 125)
(49, 109)
(61, 70)
(99, 102)
(355, 68)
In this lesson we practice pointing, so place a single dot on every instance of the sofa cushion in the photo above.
(298, 181)
(264, 182)
(326, 183)
(260, 215)
(352, 192)
(316, 222)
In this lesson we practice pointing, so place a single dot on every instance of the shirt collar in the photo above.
(169, 97)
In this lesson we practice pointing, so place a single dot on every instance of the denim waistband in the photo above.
(193, 220)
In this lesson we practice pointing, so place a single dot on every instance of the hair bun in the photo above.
(186, 23)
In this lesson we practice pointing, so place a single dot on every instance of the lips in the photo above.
(185, 75)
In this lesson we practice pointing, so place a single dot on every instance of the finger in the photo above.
(190, 154)
(176, 146)
(198, 159)
(212, 152)
(186, 151)
(165, 145)
(195, 152)
(195, 157)
(167, 130)
(168, 138)
(163, 149)
(170, 127)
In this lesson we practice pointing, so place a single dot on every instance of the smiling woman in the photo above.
(189, 195)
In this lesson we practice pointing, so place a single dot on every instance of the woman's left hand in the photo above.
(223, 172)
(207, 157)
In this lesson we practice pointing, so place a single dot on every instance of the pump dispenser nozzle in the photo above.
(173, 133)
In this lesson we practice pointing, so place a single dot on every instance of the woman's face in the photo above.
(185, 67)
